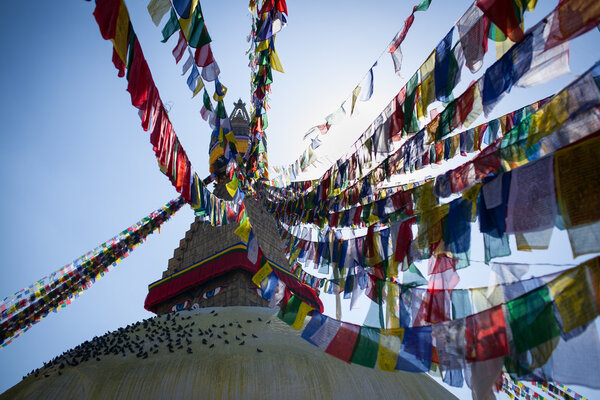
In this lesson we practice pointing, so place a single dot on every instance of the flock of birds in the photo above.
(167, 333)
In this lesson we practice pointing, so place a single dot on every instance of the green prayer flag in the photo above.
(444, 126)
(289, 312)
(532, 319)
(170, 27)
(423, 6)
(412, 277)
(221, 112)
(366, 348)
(206, 100)
(132, 38)
(198, 33)
(410, 119)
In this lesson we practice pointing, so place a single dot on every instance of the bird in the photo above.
(212, 345)
(226, 341)
(242, 343)
(254, 336)
(259, 350)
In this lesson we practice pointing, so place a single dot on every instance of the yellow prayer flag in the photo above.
(548, 118)
(390, 342)
(264, 45)
(199, 87)
(243, 231)
(574, 298)
(393, 298)
(275, 62)
(576, 175)
(262, 274)
(428, 66)
(121, 40)
(426, 96)
(303, 310)
(157, 10)
(502, 47)
(232, 186)
(355, 94)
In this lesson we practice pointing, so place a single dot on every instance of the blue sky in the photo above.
(79, 168)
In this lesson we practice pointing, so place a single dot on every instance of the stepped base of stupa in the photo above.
(214, 353)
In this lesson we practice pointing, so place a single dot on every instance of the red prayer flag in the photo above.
(179, 49)
(204, 56)
(485, 334)
(404, 240)
(436, 307)
(407, 24)
(397, 117)
(487, 161)
(571, 19)
(139, 77)
(106, 14)
(342, 344)
(463, 106)
(502, 14)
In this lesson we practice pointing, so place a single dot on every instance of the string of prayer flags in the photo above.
(394, 48)
(481, 341)
(27, 307)
(534, 60)
(268, 18)
(187, 18)
(171, 156)
(581, 94)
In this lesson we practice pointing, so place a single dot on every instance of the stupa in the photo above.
(214, 337)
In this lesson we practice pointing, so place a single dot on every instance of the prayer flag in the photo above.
(183, 7)
(198, 35)
(367, 85)
(485, 334)
(390, 341)
(367, 347)
(531, 201)
(203, 56)
(180, 48)
(170, 27)
(342, 344)
(415, 355)
(187, 65)
(473, 32)
(576, 172)
(243, 230)
(527, 314)
(502, 14)
(157, 10)
(574, 296)
(192, 78)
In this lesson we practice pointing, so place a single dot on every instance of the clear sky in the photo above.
(79, 168)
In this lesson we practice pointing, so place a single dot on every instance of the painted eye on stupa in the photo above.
(180, 306)
(212, 293)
